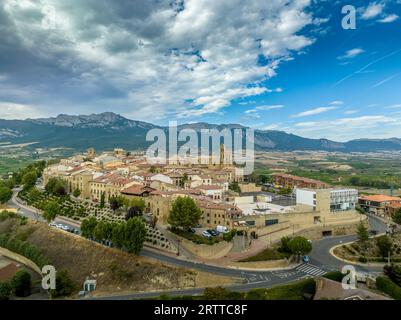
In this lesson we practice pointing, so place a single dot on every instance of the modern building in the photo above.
(327, 200)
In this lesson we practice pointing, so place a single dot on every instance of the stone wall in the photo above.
(205, 251)
(20, 259)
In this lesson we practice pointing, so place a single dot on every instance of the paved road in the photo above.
(321, 261)
(320, 255)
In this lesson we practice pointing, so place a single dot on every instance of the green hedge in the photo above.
(334, 275)
(389, 287)
(294, 291)
(23, 248)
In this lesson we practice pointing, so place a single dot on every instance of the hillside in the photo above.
(108, 130)
(115, 271)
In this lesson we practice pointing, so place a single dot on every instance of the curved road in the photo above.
(321, 261)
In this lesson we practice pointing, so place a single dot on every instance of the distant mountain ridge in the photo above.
(109, 130)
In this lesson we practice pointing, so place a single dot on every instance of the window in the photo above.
(271, 222)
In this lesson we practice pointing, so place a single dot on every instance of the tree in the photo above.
(118, 234)
(134, 235)
(99, 231)
(234, 186)
(397, 216)
(21, 283)
(362, 231)
(136, 202)
(64, 285)
(184, 213)
(5, 291)
(5, 194)
(284, 245)
(299, 245)
(153, 222)
(56, 186)
(102, 200)
(88, 226)
(393, 272)
(51, 185)
(76, 193)
(384, 244)
(133, 212)
(116, 202)
(51, 210)
(29, 180)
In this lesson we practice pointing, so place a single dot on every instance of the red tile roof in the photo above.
(379, 198)
(8, 272)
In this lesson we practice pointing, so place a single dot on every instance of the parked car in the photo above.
(52, 224)
(305, 259)
(214, 233)
(192, 230)
(206, 234)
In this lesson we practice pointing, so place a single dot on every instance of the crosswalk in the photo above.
(310, 269)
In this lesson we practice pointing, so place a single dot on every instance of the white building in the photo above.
(328, 199)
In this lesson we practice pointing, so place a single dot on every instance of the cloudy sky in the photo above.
(278, 64)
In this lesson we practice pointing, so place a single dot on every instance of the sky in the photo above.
(273, 65)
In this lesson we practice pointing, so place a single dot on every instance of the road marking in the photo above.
(310, 269)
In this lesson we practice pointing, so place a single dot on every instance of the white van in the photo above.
(222, 229)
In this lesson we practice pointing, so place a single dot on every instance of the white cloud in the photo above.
(12, 111)
(394, 106)
(168, 60)
(313, 112)
(336, 103)
(352, 53)
(389, 18)
(344, 129)
(372, 10)
(255, 112)
(350, 111)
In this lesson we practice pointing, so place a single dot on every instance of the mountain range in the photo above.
(109, 130)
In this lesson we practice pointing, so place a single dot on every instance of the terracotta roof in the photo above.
(8, 272)
(394, 205)
(136, 190)
(379, 198)
(296, 178)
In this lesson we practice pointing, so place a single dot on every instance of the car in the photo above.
(52, 224)
(59, 225)
(206, 234)
(305, 259)
(192, 230)
(65, 228)
(212, 232)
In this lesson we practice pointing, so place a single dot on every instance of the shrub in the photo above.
(23, 248)
(5, 291)
(64, 285)
(362, 259)
(334, 275)
(389, 287)
(21, 283)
